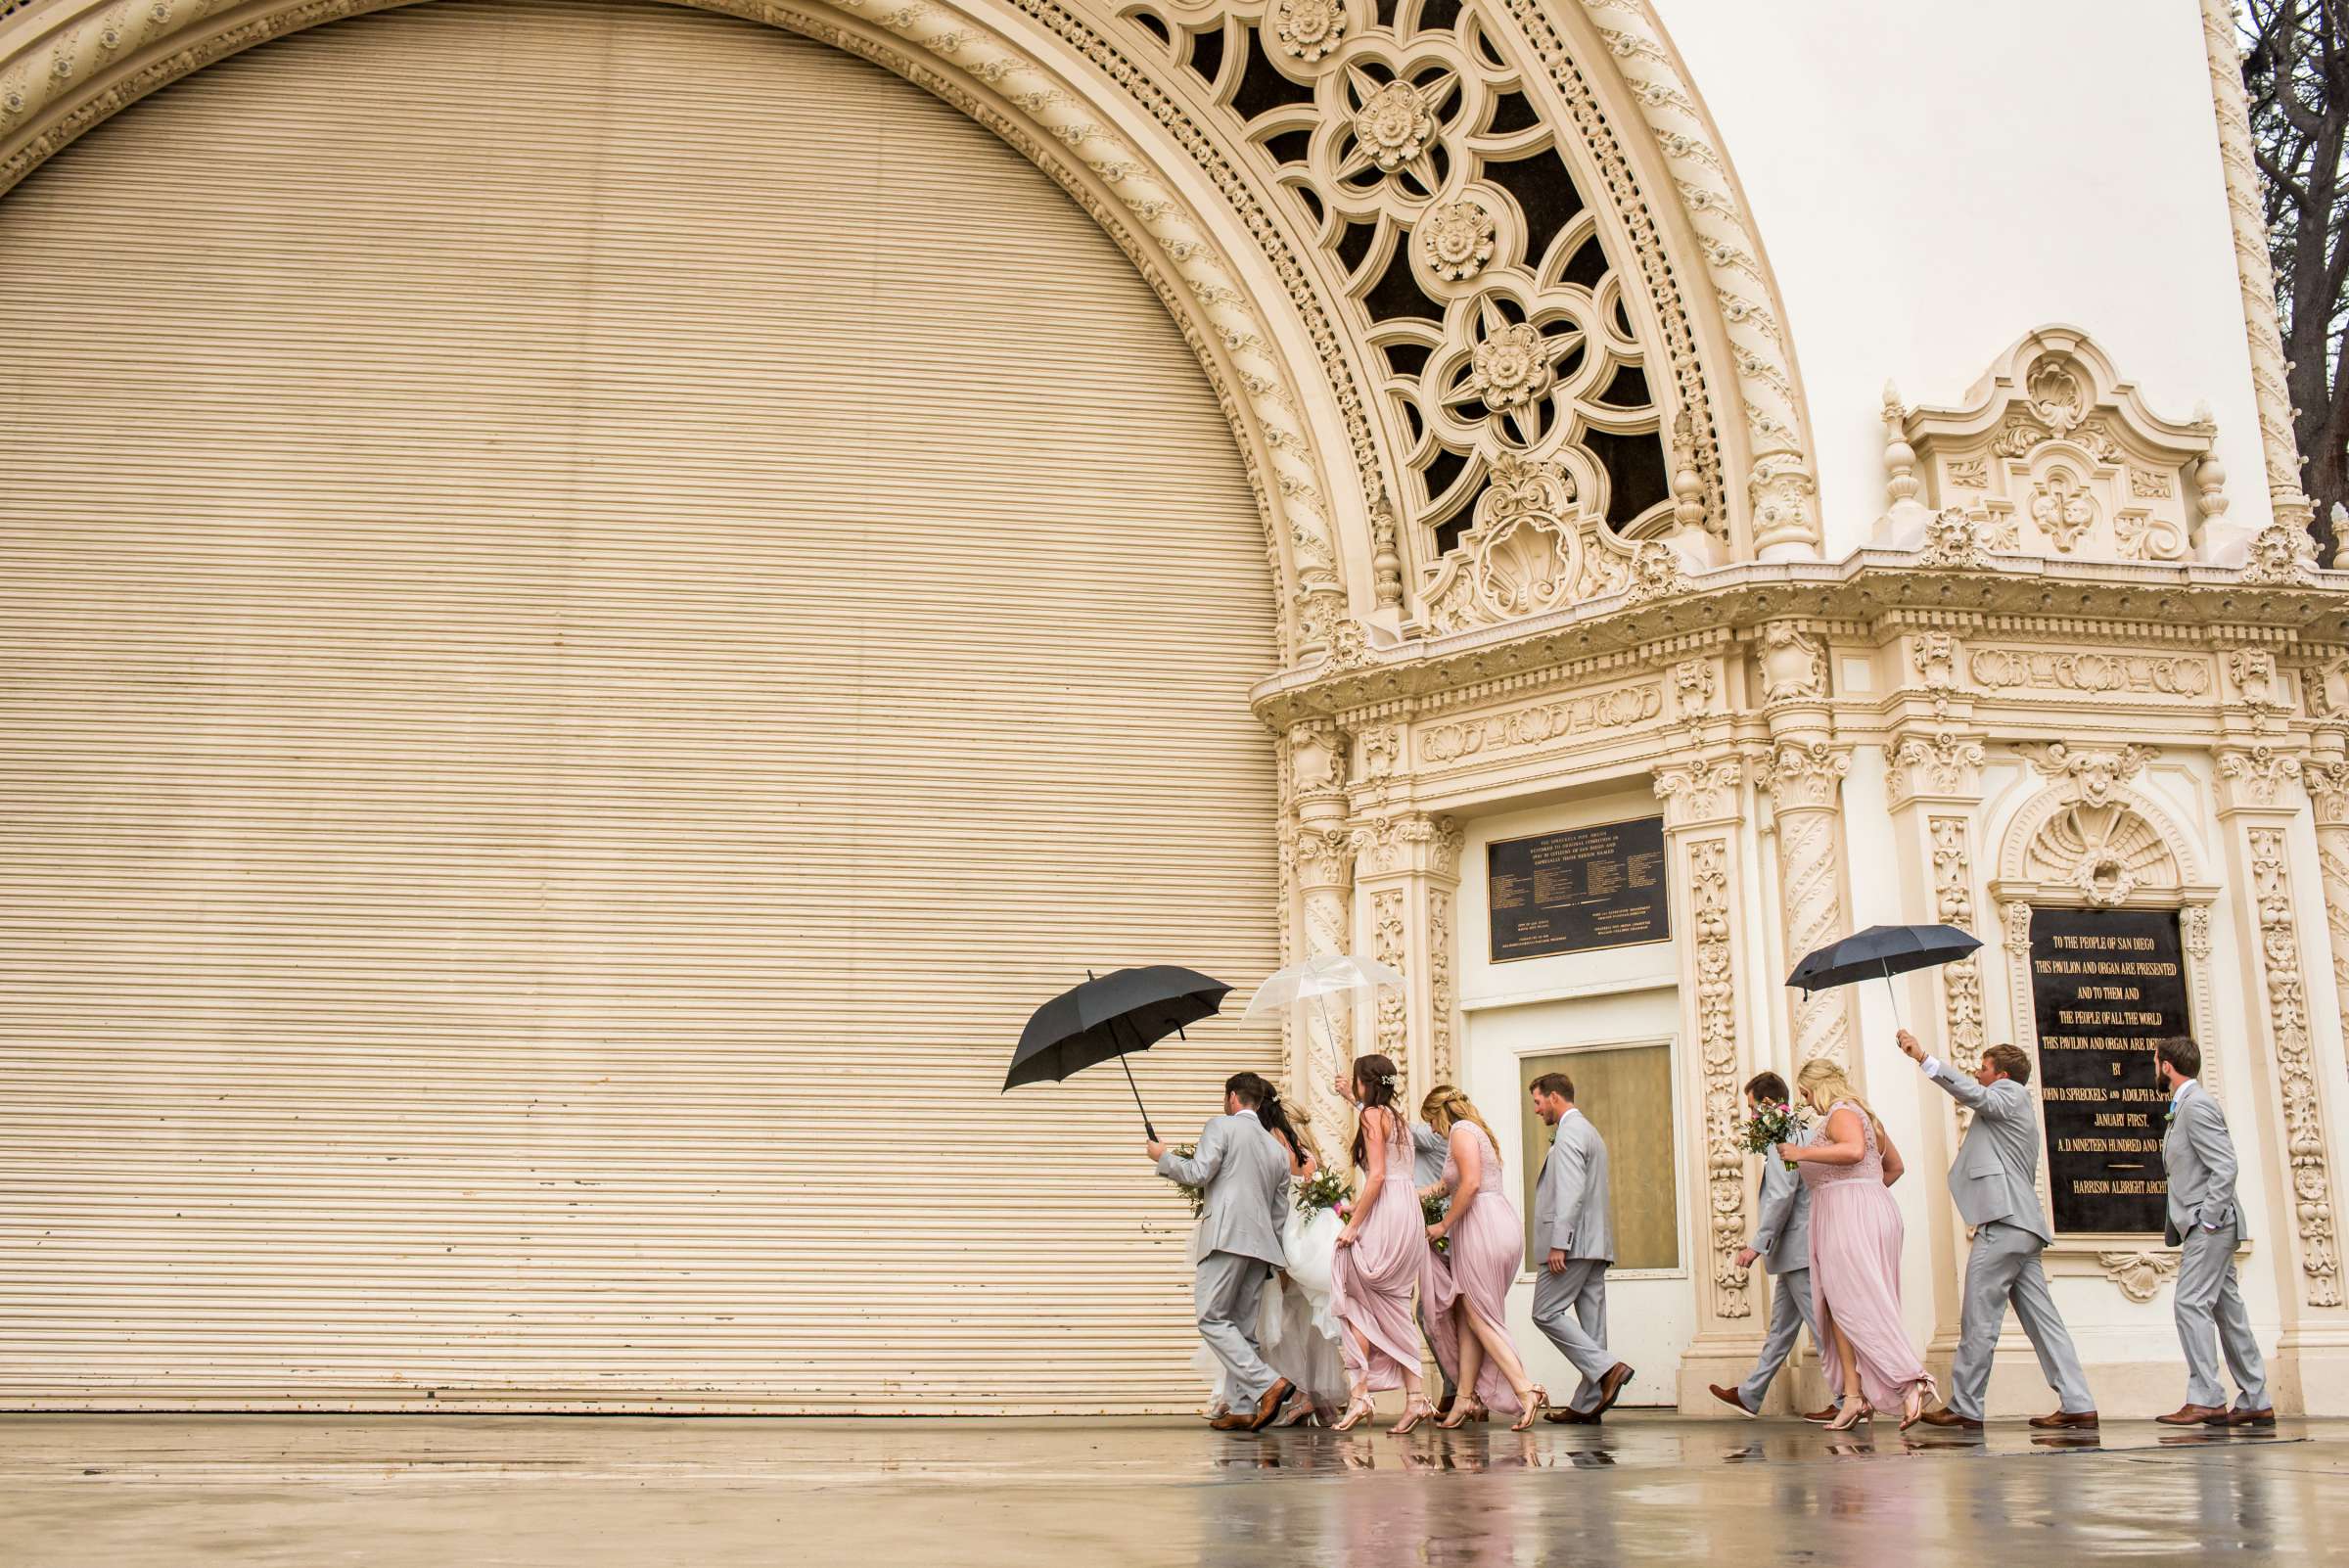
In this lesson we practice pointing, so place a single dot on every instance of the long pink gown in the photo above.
(1856, 1272)
(1370, 1284)
(1487, 1245)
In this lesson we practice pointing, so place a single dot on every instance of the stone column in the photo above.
(1318, 851)
(2326, 779)
(1804, 775)
(1407, 867)
(2258, 797)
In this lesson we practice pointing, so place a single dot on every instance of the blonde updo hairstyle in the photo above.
(1824, 1083)
(1446, 1108)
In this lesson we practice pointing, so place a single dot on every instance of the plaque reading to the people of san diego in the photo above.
(2108, 984)
(1589, 886)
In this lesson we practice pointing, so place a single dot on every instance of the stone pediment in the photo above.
(2052, 454)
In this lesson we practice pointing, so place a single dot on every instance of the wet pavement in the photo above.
(126, 1491)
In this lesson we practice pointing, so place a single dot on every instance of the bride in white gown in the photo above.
(1297, 1333)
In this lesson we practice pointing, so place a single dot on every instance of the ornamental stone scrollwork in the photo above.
(1702, 791)
(2092, 673)
(1794, 665)
(1951, 839)
(1497, 267)
(2088, 836)
(2281, 555)
(1696, 690)
(1717, 1047)
(2258, 776)
(1934, 657)
(2327, 785)
(1614, 708)
(2052, 454)
(1317, 764)
(2253, 683)
(1932, 765)
(1536, 547)
(2139, 1274)
(1389, 1024)
(2295, 1065)
(1443, 997)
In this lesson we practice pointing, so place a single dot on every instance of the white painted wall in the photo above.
(1933, 180)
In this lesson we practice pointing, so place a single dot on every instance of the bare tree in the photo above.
(2296, 73)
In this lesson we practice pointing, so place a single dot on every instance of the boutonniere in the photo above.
(2170, 1115)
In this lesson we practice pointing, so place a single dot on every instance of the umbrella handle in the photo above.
(1137, 1100)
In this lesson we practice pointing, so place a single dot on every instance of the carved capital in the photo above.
(2258, 778)
(2328, 786)
(1785, 504)
(1412, 843)
(1700, 791)
(1321, 860)
(1944, 766)
(1805, 776)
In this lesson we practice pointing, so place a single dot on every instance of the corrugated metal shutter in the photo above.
(597, 600)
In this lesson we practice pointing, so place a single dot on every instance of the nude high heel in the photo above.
(1533, 1409)
(1300, 1410)
(1851, 1416)
(1417, 1408)
(1463, 1411)
(1358, 1410)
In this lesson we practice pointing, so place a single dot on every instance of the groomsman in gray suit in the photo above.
(1574, 1229)
(1996, 1184)
(1781, 1244)
(1245, 1174)
(2205, 1223)
(1428, 1148)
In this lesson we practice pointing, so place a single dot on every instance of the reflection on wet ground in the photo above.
(453, 1492)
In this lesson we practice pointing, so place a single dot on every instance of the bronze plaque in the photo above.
(2108, 984)
(1589, 886)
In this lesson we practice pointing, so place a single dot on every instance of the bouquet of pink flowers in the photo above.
(1196, 1195)
(1773, 1124)
(1328, 1189)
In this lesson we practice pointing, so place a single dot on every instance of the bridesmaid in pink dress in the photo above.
(1856, 1254)
(1466, 1291)
(1381, 1253)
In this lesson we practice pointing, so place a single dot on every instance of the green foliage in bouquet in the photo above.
(1328, 1189)
(1196, 1195)
(1771, 1126)
(1431, 1210)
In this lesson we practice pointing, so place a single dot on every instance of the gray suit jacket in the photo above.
(1782, 1227)
(1428, 1148)
(1572, 1213)
(2199, 1157)
(1245, 1172)
(1996, 1177)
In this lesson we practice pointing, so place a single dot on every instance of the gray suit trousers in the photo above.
(1789, 1315)
(2206, 1295)
(2005, 1267)
(1571, 1309)
(1226, 1291)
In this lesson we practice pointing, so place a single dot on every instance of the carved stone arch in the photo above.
(2110, 846)
(1067, 83)
(67, 66)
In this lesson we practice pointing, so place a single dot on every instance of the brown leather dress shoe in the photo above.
(1952, 1421)
(1567, 1418)
(1270, 1406)
(2240, 1417)
(1230, 1421)
(1820, 1417)
(1610, 1386)
(1730, 1398)
(2085, 1420)
(2190, 1414)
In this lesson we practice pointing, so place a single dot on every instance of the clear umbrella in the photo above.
(1316, 980)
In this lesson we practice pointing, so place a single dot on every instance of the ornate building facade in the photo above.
(1545, 547)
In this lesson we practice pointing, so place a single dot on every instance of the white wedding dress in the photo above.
(1295, 1331)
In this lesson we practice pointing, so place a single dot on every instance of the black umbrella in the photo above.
(1127, 1010)
(1881, 952)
